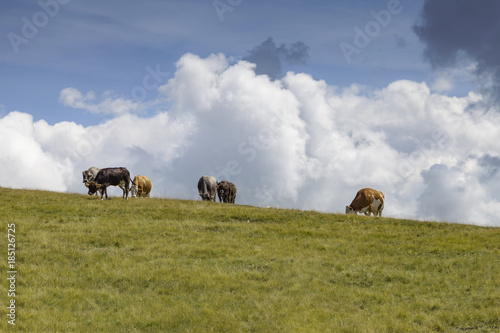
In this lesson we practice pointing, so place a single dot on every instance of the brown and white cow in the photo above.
(141, 187)
(367, 201)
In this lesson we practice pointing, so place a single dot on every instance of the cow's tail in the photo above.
(205, 189)
(129, 180)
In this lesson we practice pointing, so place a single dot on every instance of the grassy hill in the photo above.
(158, 265)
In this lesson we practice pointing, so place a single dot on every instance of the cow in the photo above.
(207, 188)
(111, 176)
(223, 190)
(89, 175)
(367, 201)
(141, 187)
(226, 191)
(232, 193)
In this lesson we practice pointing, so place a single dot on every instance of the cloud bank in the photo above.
(295, 142)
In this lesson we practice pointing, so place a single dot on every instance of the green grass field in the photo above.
(159, 265)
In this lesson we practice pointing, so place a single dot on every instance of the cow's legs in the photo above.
(104, 192)
(124, 186)
(124, 189)
(370, 211)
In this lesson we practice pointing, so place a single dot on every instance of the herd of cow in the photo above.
(97, 180)
(209, 188)
(367, 201)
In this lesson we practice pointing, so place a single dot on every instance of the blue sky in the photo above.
(299, 103)
(106, 46)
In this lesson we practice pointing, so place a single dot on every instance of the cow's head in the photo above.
(222, 189)
(93, 187)
(349, 210)
(133, 191)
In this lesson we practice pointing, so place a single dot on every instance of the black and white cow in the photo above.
(111, 176)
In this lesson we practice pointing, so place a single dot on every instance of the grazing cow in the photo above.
(141, 187)
(111, 176)
(223, 190)
(367, 201)
(89, 175)
(207, 188)
(226, 191)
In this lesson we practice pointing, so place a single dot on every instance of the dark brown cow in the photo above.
(367, 201)
(111, 176)
(222, 190)
(226, 191)
(232, 193)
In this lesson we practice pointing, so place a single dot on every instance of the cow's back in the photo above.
(207, 188)
(113, 176)
(93, 171)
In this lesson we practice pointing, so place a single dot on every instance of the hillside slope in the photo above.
(159, 265)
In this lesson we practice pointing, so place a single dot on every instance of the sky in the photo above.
(299, 103)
